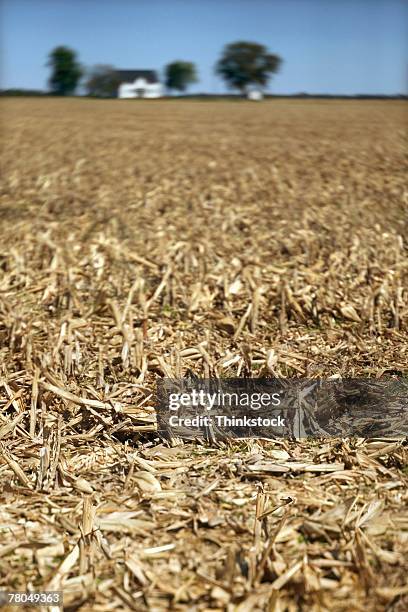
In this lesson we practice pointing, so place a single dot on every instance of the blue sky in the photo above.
(328, 46)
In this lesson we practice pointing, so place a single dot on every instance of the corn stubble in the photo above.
(142, 240)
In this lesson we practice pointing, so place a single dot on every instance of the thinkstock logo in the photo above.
(282, 408)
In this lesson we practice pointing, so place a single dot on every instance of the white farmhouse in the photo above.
(139, 84)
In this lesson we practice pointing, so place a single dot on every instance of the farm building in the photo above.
(139, 84)
(254, 94)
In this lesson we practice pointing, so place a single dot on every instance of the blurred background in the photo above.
(327, 47)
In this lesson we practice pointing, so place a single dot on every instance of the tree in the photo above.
(247, 63)
(179, 75)
(102, 82)
(66, 71)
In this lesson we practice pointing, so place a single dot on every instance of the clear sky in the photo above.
(328, 46)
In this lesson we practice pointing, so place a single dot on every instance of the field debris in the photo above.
(204, 239)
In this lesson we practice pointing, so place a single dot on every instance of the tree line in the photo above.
(242, 64)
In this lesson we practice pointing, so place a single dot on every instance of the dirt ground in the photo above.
(142, 239)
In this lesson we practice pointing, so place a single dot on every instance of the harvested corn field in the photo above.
(229, 239)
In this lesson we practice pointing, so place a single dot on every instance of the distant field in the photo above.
(143, 239)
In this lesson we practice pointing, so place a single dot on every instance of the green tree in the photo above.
(179, 75)
(66, 71)
(102, 82)
(247, 63)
